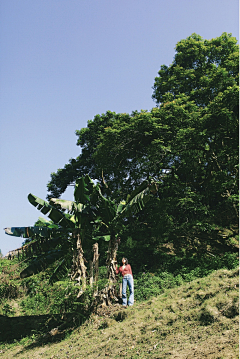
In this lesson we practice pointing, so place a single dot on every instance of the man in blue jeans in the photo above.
(126, 272)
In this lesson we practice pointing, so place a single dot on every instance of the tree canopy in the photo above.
(188, 143)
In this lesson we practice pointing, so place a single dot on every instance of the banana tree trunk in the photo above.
(78, 267)
(112, 259)
(109, 293)
(91, 273)
(96, 266)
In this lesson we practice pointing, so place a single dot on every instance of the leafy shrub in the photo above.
(43, 298)
(9, 290)
(149, 285)
(7, 309)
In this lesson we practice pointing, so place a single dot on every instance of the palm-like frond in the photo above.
(53, 213)
(61, 269)
(137, 190)
(111, 215)
(62, 204)
(41, 263)
(28, 232)
(83, 188)
(90, 210)
(136, 203)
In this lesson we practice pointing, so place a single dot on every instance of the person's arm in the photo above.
(117, 269)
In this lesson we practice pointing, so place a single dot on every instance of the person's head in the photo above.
(124, 260)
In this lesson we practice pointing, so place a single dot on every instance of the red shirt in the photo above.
(126, 270)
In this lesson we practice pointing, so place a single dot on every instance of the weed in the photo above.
(8, 310)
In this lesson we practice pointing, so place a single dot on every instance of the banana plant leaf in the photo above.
(28, 232)
(76, 209)
(95, 193)
(44, 221)
(41, 263)
(62, 204)
(137, 203)
(105, 238)
(40, 246)
(121, 206)
(61, 270)
(107, 210)
(137, 190)
(53, 213)
(82, 189)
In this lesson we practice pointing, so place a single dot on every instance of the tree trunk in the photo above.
(96, 266)
(78, 268)
(109, 293)
(112, 259)
(91, 273)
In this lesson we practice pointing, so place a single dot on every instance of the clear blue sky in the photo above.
(64, 61)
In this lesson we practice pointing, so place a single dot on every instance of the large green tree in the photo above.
(189, 143)
(88, 139)
(201, 69)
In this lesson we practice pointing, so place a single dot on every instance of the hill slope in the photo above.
(197, 320)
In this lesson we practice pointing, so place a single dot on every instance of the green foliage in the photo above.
(200, 315)
(54, 240)
(175, 271)
(37, 296)
(92, 213)
(189, 144)
(8, 310)
(8, 290)
(111, 215)
(42, 298)
(201, 69)
(54, 214)
(174, 296)
(28, 232)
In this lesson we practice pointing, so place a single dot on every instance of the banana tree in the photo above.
(49, 243)
(109, 222)
(106, 216)
(90, 211)
(71, 225)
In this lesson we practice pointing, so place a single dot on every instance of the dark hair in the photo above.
(126, 260)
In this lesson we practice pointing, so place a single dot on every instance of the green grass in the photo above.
(176, 314)
(194, 320)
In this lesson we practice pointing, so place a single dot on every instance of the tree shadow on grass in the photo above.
(47, 328)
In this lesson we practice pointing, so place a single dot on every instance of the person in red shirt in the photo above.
(126, 272)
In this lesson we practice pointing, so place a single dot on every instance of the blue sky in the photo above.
(64, 61)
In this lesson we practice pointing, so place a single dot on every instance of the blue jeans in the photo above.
(127, 280)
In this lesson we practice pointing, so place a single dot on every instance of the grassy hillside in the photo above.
(198, 319)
